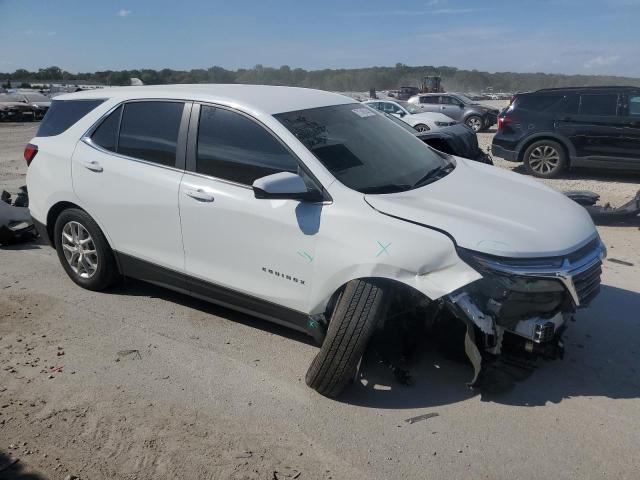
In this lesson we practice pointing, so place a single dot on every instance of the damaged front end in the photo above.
(521, 306)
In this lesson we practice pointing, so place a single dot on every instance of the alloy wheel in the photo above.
(421, 128)
(79, 249)
(544, 159)
(475, 123)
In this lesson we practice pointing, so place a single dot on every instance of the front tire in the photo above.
(84, 251)
(421, 127)
(358, 310)
(475, 122)
(545, 159)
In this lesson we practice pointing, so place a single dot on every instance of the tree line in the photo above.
(356, 79)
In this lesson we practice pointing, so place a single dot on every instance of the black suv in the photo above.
(555, 128)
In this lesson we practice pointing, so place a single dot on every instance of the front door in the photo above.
(631, 130)
(593, 125)
(450, 106)
(125, 173)
(240, 250)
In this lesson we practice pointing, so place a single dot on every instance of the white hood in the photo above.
(494, 211)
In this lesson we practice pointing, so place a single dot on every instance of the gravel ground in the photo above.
(142, 383)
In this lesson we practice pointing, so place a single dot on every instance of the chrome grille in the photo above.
(587, 283)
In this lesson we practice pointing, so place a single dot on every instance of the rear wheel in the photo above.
(84, 251)
(358, 310)
(545, 159)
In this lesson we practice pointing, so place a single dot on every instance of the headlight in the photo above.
(484, 263)
(442, 124)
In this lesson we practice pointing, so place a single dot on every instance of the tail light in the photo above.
(30, 153)
(502, 121)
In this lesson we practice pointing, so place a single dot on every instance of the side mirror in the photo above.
(285, 186)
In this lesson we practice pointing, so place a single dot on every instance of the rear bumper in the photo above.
(502, 152)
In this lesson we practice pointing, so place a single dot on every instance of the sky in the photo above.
(554, 36)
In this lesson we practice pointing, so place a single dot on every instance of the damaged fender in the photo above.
(374, 245)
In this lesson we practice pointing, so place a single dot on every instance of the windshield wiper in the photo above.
(434, 175)
(388, 188)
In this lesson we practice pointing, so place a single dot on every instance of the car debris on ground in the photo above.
(605, 213)
(15, 221)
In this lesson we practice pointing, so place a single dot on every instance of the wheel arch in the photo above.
(55, 211)
(524, 144)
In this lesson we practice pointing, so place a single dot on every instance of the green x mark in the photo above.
(383, 248)
(306, 256)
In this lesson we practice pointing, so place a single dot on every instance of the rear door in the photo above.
(127, 174)
(593, 124)
(252, 253)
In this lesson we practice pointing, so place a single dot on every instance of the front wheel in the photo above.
(475, 122)
(84, 251)
(359, 309)
(545, 159)
(421, 127)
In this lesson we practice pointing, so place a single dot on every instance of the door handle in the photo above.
(93, 166)
(199, 194)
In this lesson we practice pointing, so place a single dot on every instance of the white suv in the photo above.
(307, 209)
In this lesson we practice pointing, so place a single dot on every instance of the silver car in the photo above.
(458, 107)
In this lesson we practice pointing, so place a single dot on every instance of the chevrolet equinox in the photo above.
(309, 210)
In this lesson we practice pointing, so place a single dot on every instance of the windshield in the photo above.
(464, 99)
(410, 107)
(399, 122)
(363, 150)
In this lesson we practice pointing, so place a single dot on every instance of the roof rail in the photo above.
(591, 87)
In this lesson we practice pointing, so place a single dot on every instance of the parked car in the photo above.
(37, 100)
(310, 210)
(404, 93)
(14, 108)
(458, 140)
(459, 107)
(553, 129)
(421, 121)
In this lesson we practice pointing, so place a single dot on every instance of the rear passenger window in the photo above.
(537, 103)
(603, 104)
(149, 131)
(233, 147)
(106, 135)
(64, 113)
(428, 99)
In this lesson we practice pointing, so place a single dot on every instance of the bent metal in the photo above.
(283, 275)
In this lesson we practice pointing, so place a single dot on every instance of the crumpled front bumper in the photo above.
(515, 310)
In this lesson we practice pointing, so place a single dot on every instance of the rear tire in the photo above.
(84, 251)
(545, 159)
(357, 312)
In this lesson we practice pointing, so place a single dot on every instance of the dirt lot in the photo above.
(143, 383)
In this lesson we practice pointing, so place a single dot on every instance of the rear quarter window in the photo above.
(63, 114)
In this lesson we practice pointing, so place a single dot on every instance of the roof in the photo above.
(257, 98)
(603, 88)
